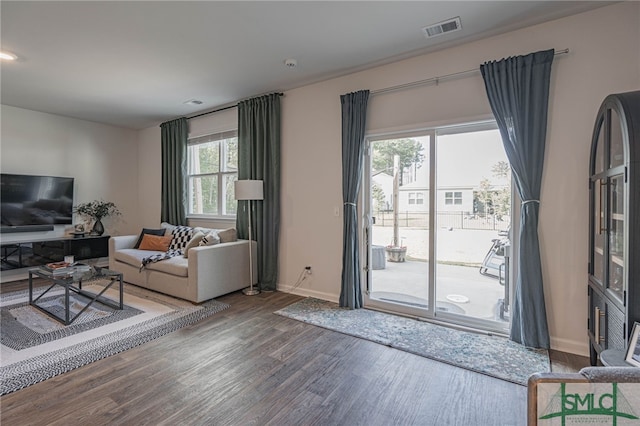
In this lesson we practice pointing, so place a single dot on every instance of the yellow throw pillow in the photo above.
(155, 242)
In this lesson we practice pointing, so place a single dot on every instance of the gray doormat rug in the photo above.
(491, 355)
(98, 333)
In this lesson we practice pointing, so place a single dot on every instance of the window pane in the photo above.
(616, 157)
(231, 155)
(204, 158)
(617, 283)
(203, 195)
(229, 194)
(599, 160)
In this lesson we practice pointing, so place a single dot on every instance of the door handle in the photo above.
(599, 313)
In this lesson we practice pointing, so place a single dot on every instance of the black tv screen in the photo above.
(27, 200)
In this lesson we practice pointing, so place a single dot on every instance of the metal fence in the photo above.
(454, 220)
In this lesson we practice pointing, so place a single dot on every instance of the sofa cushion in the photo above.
(177, 265)
(148, 231)
(133, 256)
(228, 235)
(205, 231)
(169, 227)
(193, 242)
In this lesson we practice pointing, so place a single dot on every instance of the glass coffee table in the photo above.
(72, 282)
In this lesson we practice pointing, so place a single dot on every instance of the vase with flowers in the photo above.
(97, 210)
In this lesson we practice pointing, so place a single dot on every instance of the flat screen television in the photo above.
(29, 203)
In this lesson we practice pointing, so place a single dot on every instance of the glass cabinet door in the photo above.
(616, 146)
(598, 232)
(616, 196)
(598, 236)
(599, 155)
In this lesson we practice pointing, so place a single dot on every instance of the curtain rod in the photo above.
(437, 80)
(223, 109)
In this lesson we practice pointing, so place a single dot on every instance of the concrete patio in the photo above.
(460, 288)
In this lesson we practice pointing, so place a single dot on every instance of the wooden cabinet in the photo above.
(614, 225)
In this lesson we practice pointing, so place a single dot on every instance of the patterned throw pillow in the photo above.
(181, 236)
(210, 239)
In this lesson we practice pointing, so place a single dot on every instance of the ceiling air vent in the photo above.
(443, 27)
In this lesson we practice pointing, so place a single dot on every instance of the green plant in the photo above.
(97, 209)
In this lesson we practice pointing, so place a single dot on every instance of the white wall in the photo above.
(600, 62)
(103, 160)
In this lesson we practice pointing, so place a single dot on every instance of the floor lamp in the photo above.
(250, 190)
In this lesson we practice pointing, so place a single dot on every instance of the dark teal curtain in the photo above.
(518, 91)
(259, 159)
(354, 118)
(174, 170)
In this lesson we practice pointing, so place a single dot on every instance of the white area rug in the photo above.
(91, 337)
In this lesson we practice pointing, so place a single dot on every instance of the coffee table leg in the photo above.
(30, 288)
(121, 291)
(66, 304)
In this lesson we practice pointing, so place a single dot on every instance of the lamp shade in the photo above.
(249, 190)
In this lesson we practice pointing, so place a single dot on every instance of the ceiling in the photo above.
(134, 64)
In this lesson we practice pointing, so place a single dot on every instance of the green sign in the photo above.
(607, 406)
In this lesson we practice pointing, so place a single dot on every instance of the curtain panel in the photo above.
(259, 159)
(174, 136)
(354, 117)
(518, 92)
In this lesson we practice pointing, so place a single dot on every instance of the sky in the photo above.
(463, 159)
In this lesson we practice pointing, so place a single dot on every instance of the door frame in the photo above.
(430, 314)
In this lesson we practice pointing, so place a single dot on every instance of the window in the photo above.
(212, 171)
(416, 198)
(453, 198)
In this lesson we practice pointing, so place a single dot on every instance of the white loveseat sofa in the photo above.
(208, 272)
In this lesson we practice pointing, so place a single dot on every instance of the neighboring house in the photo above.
(384, 182)
(415, 198)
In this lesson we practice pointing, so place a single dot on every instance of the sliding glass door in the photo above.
(437, 221)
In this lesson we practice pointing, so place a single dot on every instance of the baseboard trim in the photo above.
(308, 293)
(575, 347)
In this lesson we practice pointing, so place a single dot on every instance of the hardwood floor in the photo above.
(247, 366)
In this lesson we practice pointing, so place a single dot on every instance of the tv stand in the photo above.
(25, 228)
(28, 254)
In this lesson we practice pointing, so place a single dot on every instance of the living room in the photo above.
(122, 164)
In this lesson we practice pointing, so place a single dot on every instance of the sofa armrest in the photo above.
(221, 268)
(121, 242)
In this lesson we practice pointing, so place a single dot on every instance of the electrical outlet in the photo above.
(307, 269)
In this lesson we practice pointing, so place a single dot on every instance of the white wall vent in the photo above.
(443, 27)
